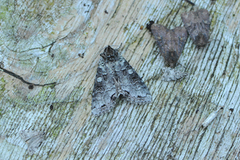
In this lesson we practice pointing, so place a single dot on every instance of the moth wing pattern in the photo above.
(104, 88)
(197, 24)
(33, 139)
(159, 32)
(171, 42)
(114, 79)
(132, 85)
(180, 38)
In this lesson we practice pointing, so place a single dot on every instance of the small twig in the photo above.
(190, 2)
(24, 81)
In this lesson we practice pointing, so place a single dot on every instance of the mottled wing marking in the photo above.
(197, 24)
(116, 78)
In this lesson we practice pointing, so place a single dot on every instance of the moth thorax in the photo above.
(174, 54)
(109, 57)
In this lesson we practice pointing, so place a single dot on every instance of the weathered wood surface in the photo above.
(40, 41)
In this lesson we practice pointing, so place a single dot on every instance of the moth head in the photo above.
(172, 58)
(149, 25)
(109, 54)
(201, 40)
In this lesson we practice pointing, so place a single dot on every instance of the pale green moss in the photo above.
(3, 12)
(152, 60)
(2, 86)
(125, 29)
(1, 112)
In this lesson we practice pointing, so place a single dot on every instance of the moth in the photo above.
(197, 24)
(33, 139)
(170, 41)
(116, 79)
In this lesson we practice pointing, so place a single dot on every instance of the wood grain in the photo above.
(168, 128)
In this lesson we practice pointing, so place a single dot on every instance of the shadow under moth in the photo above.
(197, 24)
(170, 41)
(116, 79)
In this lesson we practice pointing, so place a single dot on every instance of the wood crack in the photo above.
(24, 81)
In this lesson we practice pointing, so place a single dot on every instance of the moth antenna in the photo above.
(119, 47)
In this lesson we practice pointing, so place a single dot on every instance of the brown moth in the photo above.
(197, 24)
(170, 41)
